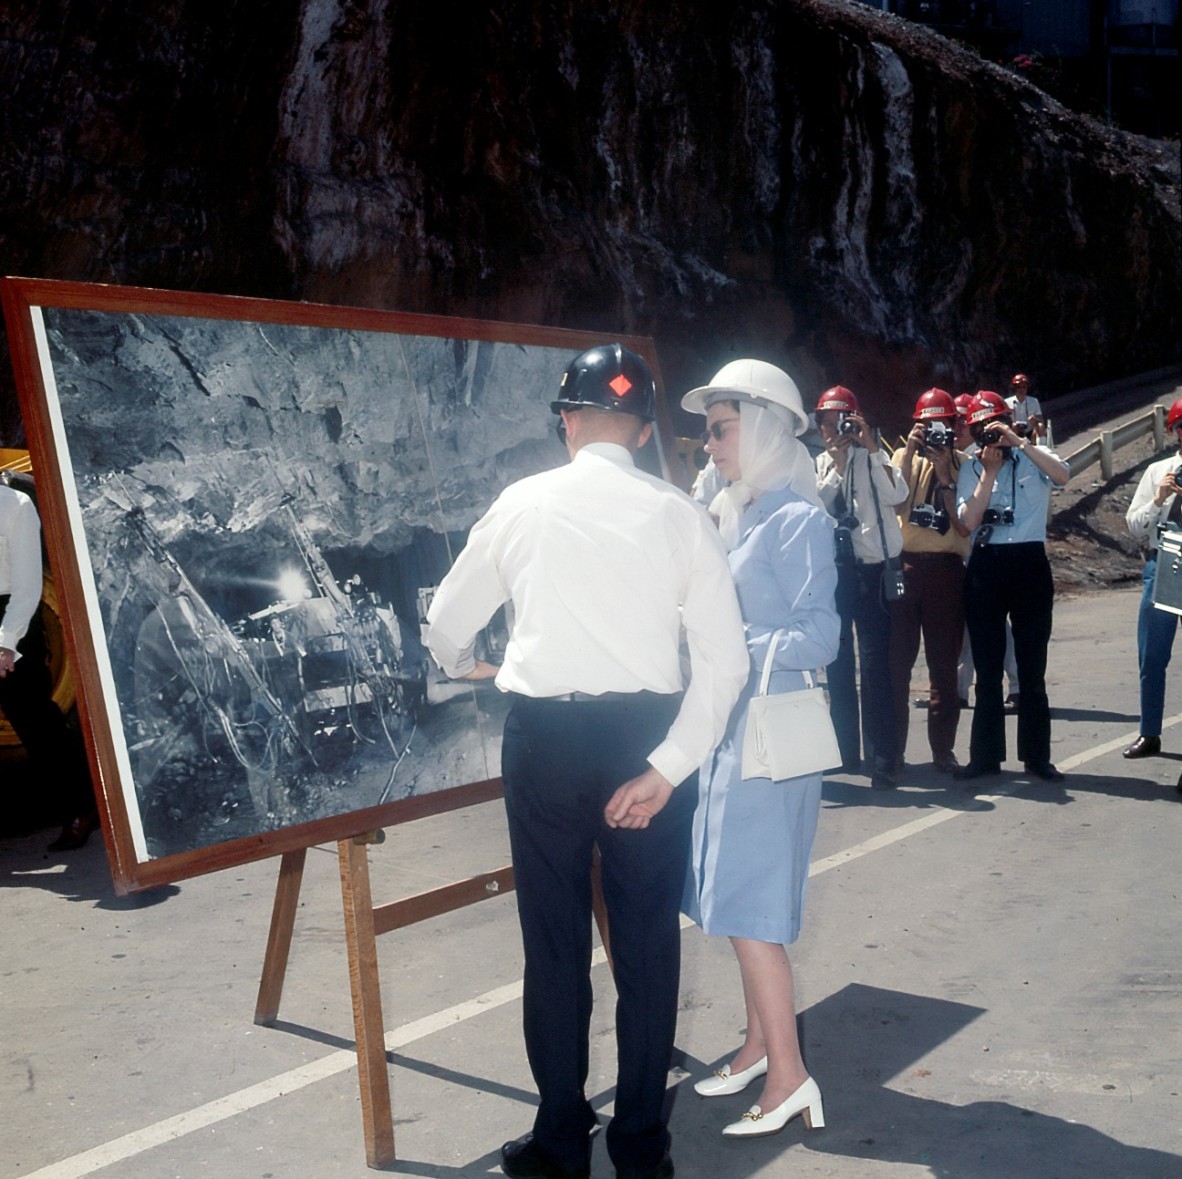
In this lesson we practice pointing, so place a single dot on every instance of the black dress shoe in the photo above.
(1043, 770)
(977, 769)
(663, 1170)
(1143, 747)
(75, 833)
(525, 1159)
(1011, 702)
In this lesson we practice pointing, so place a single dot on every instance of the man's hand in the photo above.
(482, 671)
(941, 458)
(865, 436)
(7, 661)
(915, 440)
(636, 802)
(992, 458)
(1165, 488)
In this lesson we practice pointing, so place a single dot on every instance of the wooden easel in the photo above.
(363, 923)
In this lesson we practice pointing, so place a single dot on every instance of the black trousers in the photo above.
(864, 613)
(1010, 581)
(26, 699)
(561, 762)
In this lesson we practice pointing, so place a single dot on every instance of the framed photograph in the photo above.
(249, 504)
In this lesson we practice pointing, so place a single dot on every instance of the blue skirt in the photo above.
(751, 847)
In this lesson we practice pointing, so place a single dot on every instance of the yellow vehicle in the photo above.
(63, 674)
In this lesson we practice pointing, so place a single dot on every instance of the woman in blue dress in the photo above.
(753, 837)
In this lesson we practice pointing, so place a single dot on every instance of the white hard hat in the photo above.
(751, 380)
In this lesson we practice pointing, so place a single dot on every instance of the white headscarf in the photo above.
(771, 457)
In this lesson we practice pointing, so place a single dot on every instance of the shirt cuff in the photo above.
(670, 762)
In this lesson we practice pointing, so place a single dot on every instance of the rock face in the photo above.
(816, 183)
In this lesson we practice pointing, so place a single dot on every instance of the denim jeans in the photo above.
(1155, 642)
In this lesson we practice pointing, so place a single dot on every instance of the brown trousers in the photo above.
(932, 606)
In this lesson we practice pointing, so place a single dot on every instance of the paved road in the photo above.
(991, 986)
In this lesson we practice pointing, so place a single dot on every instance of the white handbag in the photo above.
(789, 734)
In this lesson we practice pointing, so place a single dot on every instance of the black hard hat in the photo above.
(608, 377)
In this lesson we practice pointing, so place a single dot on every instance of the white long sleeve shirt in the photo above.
(854, 485)
(20, 564)
(1144, 516)
(606, 566)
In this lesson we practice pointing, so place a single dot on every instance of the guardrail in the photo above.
(1107, 442)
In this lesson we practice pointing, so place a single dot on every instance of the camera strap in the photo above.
(877, 510)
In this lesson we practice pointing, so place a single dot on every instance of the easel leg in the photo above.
(287, 896)
(376, 1114)
(599, 907)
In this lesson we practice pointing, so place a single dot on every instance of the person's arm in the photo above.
(1151, 496)
(24, 555)
(1049, 463)
(944, 476)
(465, 601)
(718, 670)
(801, 558)
(891, 490)
(905, 461)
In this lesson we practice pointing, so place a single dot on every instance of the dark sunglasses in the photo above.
(717, 431)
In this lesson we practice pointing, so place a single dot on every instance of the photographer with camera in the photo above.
(1003, 497)
(935, 544)
(1024, 408)
(858, 487)
(1156, 508)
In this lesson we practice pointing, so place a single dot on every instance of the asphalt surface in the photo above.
(990, 985)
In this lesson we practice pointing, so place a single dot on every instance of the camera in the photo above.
(1022, 429)
(938, 435)
(843, 541)
(927, 516)
(993, 516)
(846, 424)
(991, 436)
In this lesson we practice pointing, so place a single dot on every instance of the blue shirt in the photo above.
(1019, 486)
(786, 579)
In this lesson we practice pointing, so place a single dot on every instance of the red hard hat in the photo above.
(934, 405)
(986, 406)
(1019, 379)
(962, 401)
(1175, 414)
(838, 399)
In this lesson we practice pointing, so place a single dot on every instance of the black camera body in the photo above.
(843, 540)
(938, 435)
(1003, 517)
(928, 516)
(991, 436)
(846, 424)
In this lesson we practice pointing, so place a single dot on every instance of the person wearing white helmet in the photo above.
(752, 837)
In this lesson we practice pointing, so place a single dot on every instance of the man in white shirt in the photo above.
(1156, 506)
(26, 687)
(858, 487)
(1025, 409)
(606, 567)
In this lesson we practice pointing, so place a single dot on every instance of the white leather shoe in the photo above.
(754, 1123)
(724, 1081)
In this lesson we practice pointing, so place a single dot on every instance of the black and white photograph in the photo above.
(261, 512)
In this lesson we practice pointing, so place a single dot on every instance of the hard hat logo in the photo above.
(610, 377)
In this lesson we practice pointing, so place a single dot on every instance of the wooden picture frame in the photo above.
(189, 451)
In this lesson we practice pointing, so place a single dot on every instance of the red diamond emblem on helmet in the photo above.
(619, 385)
